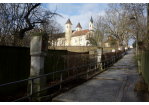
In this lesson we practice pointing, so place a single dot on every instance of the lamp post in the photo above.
(134, 17)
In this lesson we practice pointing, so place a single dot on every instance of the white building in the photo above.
(131, 46)
(76, 37)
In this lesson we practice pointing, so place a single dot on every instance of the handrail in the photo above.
(32, 79)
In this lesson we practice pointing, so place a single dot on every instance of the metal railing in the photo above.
(111, 61)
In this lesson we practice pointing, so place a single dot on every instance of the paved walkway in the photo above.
(114, 85)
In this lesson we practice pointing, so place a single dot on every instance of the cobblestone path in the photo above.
(114, 85)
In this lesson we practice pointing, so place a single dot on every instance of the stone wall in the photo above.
(75, 48)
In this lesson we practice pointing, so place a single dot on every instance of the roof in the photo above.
(79, 33)
(91, 20)
(68, 22)
(78, 25)
(60, 35)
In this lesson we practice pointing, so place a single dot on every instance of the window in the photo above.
(67, 26)
(70, 26)
(80, 39)
(62, 41)
(90, 25)
(75, 40)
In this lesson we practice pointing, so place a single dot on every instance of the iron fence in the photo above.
(92, 65)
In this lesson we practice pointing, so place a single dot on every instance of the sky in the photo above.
(77, 12)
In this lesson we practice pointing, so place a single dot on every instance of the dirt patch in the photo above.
(140, 86)
(142, 90)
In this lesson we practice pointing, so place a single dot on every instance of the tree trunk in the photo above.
(148, 27)
(120, 42)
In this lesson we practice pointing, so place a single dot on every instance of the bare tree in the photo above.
(99, 31)
(19, 18)
(116, 18)
(53, 29)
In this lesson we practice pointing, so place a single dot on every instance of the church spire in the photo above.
(91, 20)
(68, 22)
(78, 25)
(91, 24)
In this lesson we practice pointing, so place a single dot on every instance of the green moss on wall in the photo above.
(145, 67)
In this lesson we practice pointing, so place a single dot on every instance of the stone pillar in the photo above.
(99, 56)
(38, 51)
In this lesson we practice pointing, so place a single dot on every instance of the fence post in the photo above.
(38, 51)
(61, 78)
(95, 62)
(99, 56)
(31, 91)
(77, 75)
(101, 66)
(107, 64)
(114, 59)
(87, 71)
(104, 65)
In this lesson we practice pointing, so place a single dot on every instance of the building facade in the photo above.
(77, 37)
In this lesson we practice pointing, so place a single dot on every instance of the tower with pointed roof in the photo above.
(77, 37)
(91, 24)
(68, 32)
(78, 27)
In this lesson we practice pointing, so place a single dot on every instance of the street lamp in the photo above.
(134, 17)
